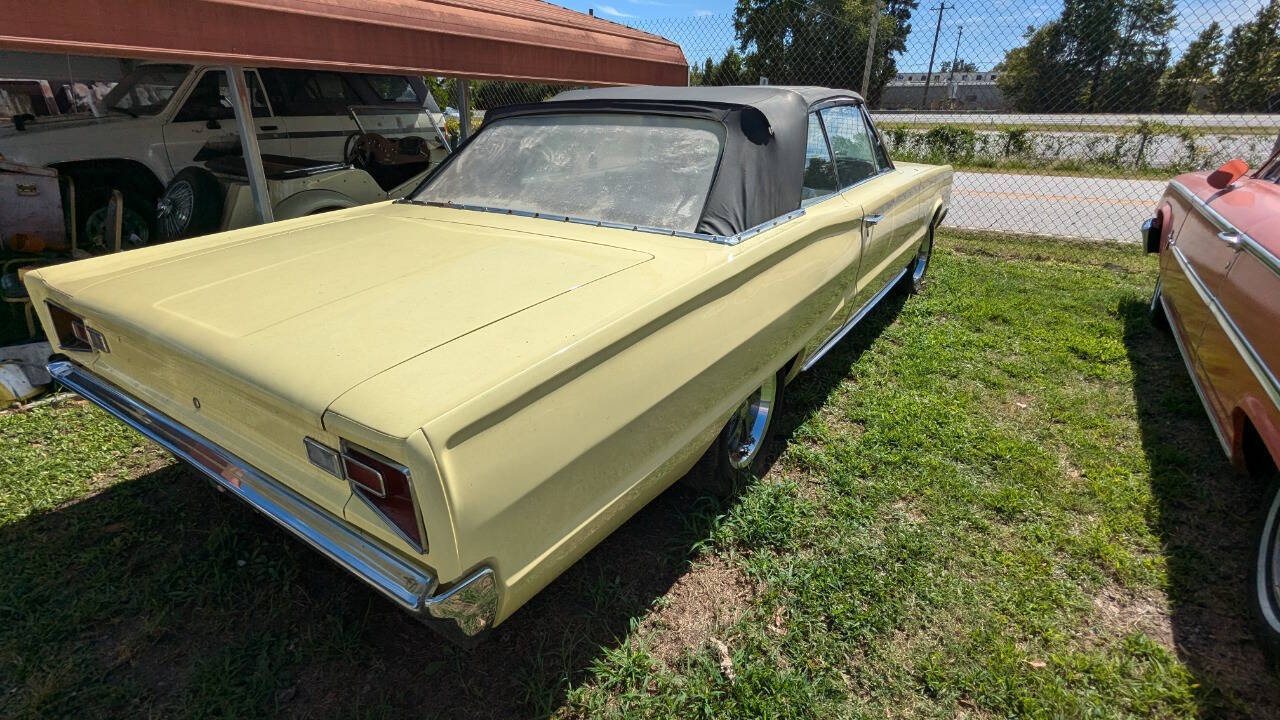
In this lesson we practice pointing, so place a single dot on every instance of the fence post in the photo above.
(464, 108)
(871, 48)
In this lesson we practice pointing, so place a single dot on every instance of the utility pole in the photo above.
(871, 49)
(924, 101)
(955, 59)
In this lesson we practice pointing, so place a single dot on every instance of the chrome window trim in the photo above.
(1246, 242)
(834, 338)
(670, 232)
(467, 608)
(867, 131)
(1243, 347)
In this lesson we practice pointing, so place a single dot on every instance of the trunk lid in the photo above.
(300, 316)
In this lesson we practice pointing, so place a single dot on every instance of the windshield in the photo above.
(634, 169)
(146, 90)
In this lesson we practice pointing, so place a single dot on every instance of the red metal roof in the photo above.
(508, 39)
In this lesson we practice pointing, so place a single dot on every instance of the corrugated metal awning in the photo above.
(505, 39)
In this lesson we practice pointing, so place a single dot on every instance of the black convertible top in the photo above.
(762, 162)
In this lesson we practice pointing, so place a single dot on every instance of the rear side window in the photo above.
(855, 160)
(877, 145)
(210, 98)
(392, 88)
(309, 92)
(819, 172)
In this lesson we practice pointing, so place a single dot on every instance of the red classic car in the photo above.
(1218, 235)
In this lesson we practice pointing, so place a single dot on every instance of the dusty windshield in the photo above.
(146, 90)
(635, 169)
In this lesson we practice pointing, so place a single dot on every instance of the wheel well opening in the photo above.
(1257, 458)
(124, 175)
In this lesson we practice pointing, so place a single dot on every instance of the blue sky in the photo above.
(991, 27)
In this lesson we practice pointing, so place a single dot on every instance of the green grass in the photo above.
(997, 498)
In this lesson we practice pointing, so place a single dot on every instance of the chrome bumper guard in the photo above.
(462, 611)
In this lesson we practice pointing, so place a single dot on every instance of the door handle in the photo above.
(873, 219)
(1232, 239)
(270, 127)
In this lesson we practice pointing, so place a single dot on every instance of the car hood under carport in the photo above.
(306, 313)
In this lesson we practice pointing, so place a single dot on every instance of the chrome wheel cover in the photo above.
(133, 228)
(1267, 575)
(750, 425)
(174, 210)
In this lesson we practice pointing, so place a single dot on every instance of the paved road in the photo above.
(1241, 120)
(1097, 208)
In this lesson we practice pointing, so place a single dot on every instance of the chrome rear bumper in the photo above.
(465, 609)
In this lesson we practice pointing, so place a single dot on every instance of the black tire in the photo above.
(1156, 310)
(729, 464)
(191, 205)
(1264, 590)
(913, 281)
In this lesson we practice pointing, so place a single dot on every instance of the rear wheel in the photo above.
(1265, 593)
(191, 205)
(135, 230)
(740, 452)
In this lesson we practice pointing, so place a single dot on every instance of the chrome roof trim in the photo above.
(671, 232)
(1254, 247)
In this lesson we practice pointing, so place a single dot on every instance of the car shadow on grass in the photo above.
(160, 596)
(1206, 520)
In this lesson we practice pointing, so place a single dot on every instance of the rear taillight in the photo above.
(383, 484)
(70, 329)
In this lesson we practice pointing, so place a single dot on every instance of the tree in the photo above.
(820, 42)
(962, 66)
(728, 71)
(1098, 56)
(489, 94)
(1183, 88)
(1250, 77)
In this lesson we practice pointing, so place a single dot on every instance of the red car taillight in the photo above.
(385, 485)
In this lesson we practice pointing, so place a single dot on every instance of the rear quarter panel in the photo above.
(539, 469)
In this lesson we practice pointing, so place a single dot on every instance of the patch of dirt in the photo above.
(909, 512)
(1120, 612)
(708, 598)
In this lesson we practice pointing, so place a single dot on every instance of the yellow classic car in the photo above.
(456, 395)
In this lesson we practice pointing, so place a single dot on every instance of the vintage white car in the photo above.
(164, 117)
(456, 395)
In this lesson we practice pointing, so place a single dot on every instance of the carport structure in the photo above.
(522, 40)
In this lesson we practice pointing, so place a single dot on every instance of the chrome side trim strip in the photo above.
(718, 239)
(844, 329)
(1264, 376)
(1246, 241)
(468, 607)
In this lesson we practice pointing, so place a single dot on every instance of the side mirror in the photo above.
(1231, 171)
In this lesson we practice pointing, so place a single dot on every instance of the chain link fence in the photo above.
(1060, 118)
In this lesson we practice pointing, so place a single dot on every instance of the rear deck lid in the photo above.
(303, 315)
